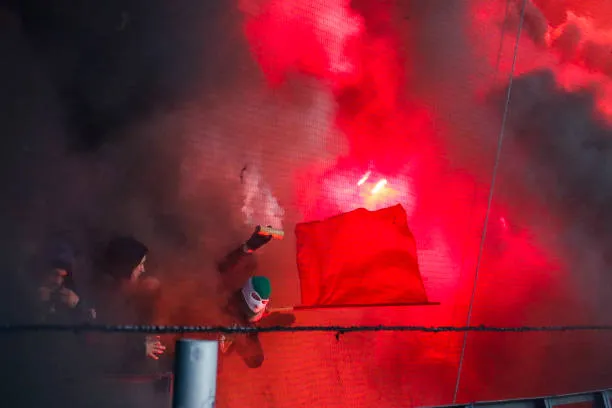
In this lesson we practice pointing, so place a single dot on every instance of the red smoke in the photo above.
(353, 51)
(311, 36)
(357, 50)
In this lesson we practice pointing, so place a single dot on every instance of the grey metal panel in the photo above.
(601, 397)
(571, 399)
(511, 404)
(606, 395)
(195, 374)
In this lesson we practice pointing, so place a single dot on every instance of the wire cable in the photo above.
(491, 190)
(163, 329)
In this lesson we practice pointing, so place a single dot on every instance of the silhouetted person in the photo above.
(124, 296)
(248, 306)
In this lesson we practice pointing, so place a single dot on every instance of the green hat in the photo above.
(256, 293)
(262, 286)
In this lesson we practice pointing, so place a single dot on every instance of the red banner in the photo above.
(359, 258)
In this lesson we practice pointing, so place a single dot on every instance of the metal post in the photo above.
(195, 374)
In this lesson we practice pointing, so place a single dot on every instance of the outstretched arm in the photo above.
(244, 251)
(232, 259)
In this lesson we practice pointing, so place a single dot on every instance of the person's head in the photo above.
(59, 267)
(125, 258)
(58, 274)
(256, 293)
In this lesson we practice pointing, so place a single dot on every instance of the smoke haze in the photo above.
(126, 117)
(115, 120)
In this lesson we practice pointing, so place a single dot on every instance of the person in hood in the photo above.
(57, 292)
(124, 260)
(248, 304)
(60, 355)
(126, 297)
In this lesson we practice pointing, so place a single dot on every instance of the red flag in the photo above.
(359, 258)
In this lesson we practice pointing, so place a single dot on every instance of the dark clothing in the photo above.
(122, 255)
(117, 301)
(61, 353)
(236, 268)
(130, 377)
(249, 349)
(120, 354)
(54, 311)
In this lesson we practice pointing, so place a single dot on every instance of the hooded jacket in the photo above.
(235, 268)
(123, 354)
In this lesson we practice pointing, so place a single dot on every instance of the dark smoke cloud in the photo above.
(136, 118)
(114, 63)
(535, 24)
(557, 148)
(111, 76)
(446, 71)
(581, 36)
(567, 145)
(553, 177)
(555, 145)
